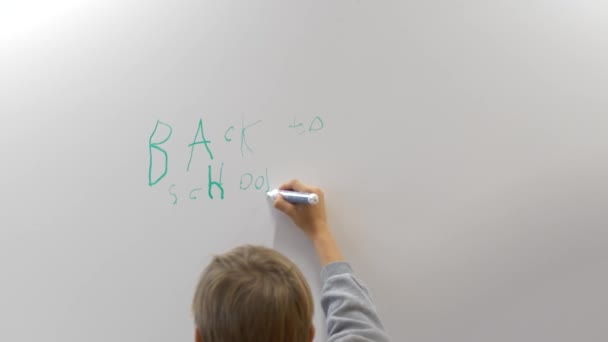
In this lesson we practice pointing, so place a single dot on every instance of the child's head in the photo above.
(253, 294)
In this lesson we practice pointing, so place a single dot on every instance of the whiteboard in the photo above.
(462, 145)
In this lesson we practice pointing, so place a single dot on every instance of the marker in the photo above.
(294, 197)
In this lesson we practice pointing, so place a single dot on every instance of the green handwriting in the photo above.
(219, 183)
(155, 146)
(195, 142)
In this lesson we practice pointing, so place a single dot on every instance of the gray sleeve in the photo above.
(348, 307)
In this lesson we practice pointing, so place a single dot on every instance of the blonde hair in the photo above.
(253, 293)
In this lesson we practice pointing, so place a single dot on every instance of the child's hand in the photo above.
(312, 219)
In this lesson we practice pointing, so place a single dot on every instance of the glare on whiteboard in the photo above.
(21, 18)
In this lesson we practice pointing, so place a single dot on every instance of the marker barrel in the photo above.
(294, 197)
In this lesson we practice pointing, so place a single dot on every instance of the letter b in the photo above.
(156, 146)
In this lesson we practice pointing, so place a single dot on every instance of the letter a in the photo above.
(195, 142)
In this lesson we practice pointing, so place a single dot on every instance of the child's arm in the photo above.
(346, 302)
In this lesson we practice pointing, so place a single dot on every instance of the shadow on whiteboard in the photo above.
(291, 241)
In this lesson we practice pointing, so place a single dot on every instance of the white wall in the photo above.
(463, 152)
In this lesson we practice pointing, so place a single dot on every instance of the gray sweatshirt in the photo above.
(348, 307)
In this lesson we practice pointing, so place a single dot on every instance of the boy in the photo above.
(257, 294)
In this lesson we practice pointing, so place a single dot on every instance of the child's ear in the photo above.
(197, 336)
(312, 333)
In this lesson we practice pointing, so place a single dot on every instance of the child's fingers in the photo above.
(284, 206)
(296, 185)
